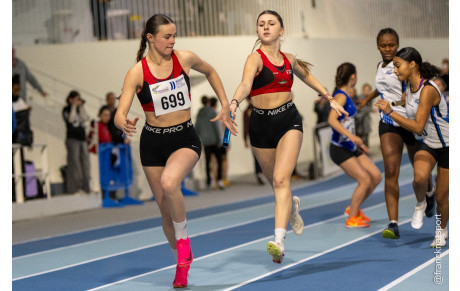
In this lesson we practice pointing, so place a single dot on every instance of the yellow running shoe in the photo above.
(276, 251)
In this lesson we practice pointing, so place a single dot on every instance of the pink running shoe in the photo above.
(184, 253)
(180, 281)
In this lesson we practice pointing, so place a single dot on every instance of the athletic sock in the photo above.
(280, 234)
(420, 203)
(394, 221)
(431, 193)
(180, 229)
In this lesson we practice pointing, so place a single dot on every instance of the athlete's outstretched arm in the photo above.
(200, 65)
(251, 67)
(313, 83)
(133, 80)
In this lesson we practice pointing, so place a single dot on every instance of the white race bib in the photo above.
(170, 96)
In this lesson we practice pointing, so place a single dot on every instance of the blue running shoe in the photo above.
(430, 204)
(392, 231)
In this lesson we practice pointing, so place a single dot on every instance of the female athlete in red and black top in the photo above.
(275, 126)
(169, 144)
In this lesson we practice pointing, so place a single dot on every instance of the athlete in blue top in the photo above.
(348, 151)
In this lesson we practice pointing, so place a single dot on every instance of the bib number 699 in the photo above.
(172, 101)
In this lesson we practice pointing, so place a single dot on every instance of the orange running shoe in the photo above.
(180, 281)
(355, 222)
(360, 214)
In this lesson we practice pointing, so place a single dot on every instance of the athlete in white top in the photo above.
(392, 136)
(436, 131)
(429, 120)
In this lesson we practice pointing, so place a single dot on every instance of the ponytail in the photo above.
(428, 71)
(304, 65)
(142, 46)
(343, 75)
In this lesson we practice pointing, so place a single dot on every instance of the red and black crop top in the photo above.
(272, 78)
(144, 94)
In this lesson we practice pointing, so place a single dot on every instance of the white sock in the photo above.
(180, 229)
(174, 252)
(280, 234)
(394, 221)
(420, 203)
(431, 193)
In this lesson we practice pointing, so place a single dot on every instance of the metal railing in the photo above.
(58, 21)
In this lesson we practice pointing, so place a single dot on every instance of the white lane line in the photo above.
(259, 240)
(195, 220)
(308, 259)
(412, 272)
(191, 236)
(318, 194)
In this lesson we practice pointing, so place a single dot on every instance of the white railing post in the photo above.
(45, 171)
(18, 173)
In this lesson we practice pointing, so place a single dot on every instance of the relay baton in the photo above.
(227, 135)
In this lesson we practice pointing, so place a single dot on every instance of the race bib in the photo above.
(422, 136)
(349, 125)
(170, 96)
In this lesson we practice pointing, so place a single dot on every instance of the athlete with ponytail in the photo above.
(428, 119)
(169, 144)
(275, 125)
(348, 151)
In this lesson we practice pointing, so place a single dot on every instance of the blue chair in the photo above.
(116, 172)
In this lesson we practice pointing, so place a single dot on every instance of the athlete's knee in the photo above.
(391, 172)
(365, 180)
(280, 181)
(376, 178)
(420, 178)
(169, 185)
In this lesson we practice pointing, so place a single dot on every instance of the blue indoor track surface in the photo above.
(229, 248)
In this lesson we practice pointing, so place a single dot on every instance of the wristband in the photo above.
(328, 97)
(237, 103)
(388, 114)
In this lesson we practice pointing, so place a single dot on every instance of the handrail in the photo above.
(53, 78)
(95, 98)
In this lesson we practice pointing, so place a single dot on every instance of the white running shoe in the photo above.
(276, 250)
(295, 219)
(417, 218)
(440, 239)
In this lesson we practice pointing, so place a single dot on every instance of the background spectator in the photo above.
(213, 103)
(100, 132)
(445, 73)
(99, 13)
(209, 133)
(363, 119)
(22, 133)
(322, 108)
(20, 69)
(75, 116)
(442, 86)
